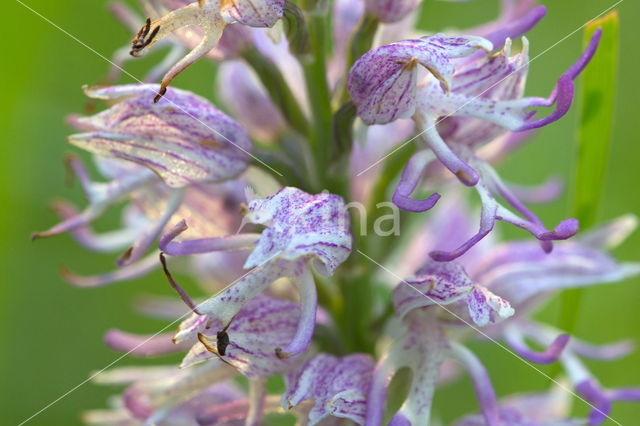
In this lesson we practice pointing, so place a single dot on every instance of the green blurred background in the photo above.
(52, 332)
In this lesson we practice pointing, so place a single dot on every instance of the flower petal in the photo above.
(436, 283)
(382, 83)
(300, 225)
(184, 139)
(421, 347)
(249, 343)
(255, 13)
(337, 386)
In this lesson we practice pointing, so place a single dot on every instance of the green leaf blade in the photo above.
(596, 106)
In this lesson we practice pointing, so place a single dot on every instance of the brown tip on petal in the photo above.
(161, 92)
(411, 65)
(201, 3)
(203, 339)
(124, 257)
(282, 355)
(463, 176)
(439, 76)
(69, 176)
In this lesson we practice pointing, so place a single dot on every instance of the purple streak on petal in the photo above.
(625, 394)
(142, 346)
(520, 27)
(307, 322)
(203, 245)
(399, 420)
(487, 221)
(562, 95)
(337, 386)
(593, 393)
(377, 398)
(135, 270)
(259, 14)
(481, 383)
(461, 169)
(149, 235)
(548, 356)
(411, 176)
(106, 243)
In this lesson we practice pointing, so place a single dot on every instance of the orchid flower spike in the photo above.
(301, 230)
(211, 16)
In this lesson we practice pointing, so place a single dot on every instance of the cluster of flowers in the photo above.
(232, 196)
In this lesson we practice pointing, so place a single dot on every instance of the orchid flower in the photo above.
(301, 229)
(212, 16)
(337, 386)
(504, 284)
(161, 156)
(458, 109)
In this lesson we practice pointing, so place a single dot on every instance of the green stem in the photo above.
(315, 73)
(278, 89)
(596, 104)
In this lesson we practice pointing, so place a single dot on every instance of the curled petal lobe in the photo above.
(411, 177)
(254, 13)
(382, 83)
(562, 95)
(337, 386)
(183, 139)
(515, 339)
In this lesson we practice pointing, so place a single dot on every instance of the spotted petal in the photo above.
(300, 225)
(337, 386)
(439, 283)
(262, 326)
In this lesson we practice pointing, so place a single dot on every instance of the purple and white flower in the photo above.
(301, 230)
(337, 386)
(211, 16)
(458, 109)
(164, 157)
